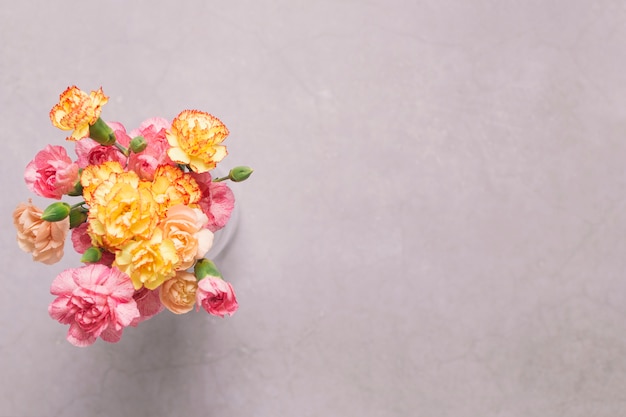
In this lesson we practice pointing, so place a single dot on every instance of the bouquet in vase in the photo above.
(145, 210)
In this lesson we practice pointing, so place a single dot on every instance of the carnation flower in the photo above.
(184, 226)
(148, 303)
(148, 262)
(92, 153)
(52, 173)
(96, 301)
(77, 110)
(171, 186)
(217, 202)
(178, 294)
(80, 238)
(94, 175)
(195, 138)
(216, 296)
(121, 210)
(82, 241)
(44, 240)
(146, 162)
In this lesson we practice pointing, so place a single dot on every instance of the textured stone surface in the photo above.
(435, 226)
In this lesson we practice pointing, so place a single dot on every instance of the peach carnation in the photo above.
(185, 227)
(178, 294)
(44, 240)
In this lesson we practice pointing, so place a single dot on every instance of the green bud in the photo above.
(205, 268)
(56, 212)
(102, 133)
(239, 174)
(138, 144)
(77, 217)
(77, 190)
(91, 255)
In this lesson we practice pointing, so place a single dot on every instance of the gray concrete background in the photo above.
(435, 227)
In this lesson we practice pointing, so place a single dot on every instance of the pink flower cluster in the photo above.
(101, 298)
(99, 301)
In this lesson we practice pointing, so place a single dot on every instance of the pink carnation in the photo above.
(52, 173)
(155, 154)
(216, 296)
(82, 241)
(148, 303)
(91, 152)
(217, 201)
(96, 301)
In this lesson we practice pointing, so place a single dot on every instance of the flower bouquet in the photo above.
(145, 218)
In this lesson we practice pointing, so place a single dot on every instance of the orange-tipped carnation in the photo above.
(94, 175)
(171, 186)
(195, 138)
(77, 110)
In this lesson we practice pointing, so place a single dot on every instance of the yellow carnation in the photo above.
(121, 210)
(195, 138)
(94, 175)
(77, 110)
(171, 187)
(148, 262)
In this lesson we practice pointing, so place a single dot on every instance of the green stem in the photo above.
(122, 149)
(221, 179)
(73, 206)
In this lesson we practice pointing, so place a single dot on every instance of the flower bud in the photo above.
(102, 133)
(56, 212)
(239, 174)
(77, 190)
(77, 217)
(205, 268)
(138, 144)
(91, 255)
